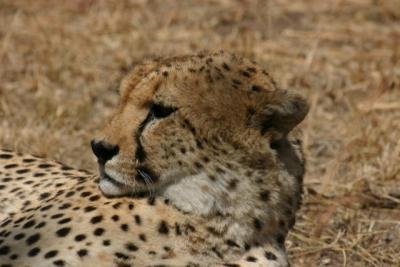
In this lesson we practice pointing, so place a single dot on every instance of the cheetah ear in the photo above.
(283, 111)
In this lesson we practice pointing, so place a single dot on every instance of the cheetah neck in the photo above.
(248, 199)
(192, 195)
(228, 213)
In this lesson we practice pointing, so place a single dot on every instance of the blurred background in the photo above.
(61, 63)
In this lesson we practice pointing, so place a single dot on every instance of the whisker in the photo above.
(148, 181)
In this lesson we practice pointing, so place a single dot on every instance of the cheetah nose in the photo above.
(103, 150)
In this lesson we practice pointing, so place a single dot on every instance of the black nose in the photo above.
(103, 150)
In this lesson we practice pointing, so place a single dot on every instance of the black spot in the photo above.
(63, 231)
(4, 250)
(56, 216)
(212, 177)
(10, 166)
(70, 194)
(115, 218)
(233, 184)
(131, 247)
(165, 73)
(82, 252)
(232, 243)
(177, 229)
(17, 221)
(22, 171)
(116, 205)
(98, 231)
(270, 256)
(198, 165)
(206, 159)
(251, 259)
(225, 66)
(163, 228)
(199, 144)
(64, 221)
(80, 237)
(85, 194)
(151, 201)
(29, 224)
(131, 206)
(142, 237)
(138, 220)
(213, 231)
(250, 112)
(190, 227)
(258, 224)
(265, 195)
(120, 255)
(124, 227)
(40, 225)
(32, 239)
(64, 206)
(80, 188)
(19, 236)
(245, 73)
(280, 239)
(66, 168)
(257, 88)
(106, 243)
(5, 233)
(44, 166)
(96, 219)
(59, 263)
(89, 209)
(33, 252)
(51, 254)
(94, 198)
(5, 156)
(215, 250)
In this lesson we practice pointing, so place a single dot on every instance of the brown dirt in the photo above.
(61, 61)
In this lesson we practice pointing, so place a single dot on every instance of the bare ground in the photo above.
(61, 61)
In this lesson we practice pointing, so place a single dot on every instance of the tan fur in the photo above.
(225, 172)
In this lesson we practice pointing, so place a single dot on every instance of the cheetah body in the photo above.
(204, 171)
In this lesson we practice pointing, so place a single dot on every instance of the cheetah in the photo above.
(200, 165)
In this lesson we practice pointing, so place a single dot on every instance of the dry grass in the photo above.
(61, 62)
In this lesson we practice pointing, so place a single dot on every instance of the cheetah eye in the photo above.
(159, 111)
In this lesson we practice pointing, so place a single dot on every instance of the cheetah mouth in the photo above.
(104, 176)
(143, 181)
(109, 186)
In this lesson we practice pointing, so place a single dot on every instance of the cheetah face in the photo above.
(188, 116)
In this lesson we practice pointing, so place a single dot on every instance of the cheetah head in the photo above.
(194, 124)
